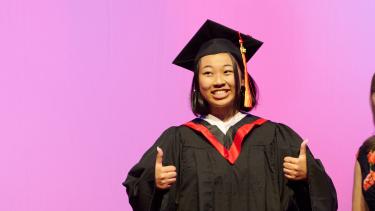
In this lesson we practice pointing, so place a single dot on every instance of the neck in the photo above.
(223, 114)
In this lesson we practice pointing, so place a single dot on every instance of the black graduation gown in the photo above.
(248, 178)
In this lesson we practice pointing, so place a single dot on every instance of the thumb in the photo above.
(159, 156)
(302, 150)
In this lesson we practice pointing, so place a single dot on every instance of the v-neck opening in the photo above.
(245, 125)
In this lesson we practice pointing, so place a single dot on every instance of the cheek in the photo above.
(231, 81)
(204, 83)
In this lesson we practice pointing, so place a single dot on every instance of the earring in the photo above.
(242, 91)
(198, 99)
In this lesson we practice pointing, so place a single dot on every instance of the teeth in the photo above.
(220, 92)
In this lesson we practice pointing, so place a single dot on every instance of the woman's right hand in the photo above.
(165, 176)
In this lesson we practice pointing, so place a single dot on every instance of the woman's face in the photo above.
(216, 80)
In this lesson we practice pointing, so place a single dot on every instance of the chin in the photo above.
(221, 105)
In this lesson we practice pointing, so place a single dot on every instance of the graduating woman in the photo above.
(364, 172)
(227, 159)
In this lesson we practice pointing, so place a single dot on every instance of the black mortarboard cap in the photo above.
(213, 38)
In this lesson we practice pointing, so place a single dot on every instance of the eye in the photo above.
(207, 73)
(228, 72)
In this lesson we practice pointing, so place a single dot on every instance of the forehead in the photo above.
(216, 60)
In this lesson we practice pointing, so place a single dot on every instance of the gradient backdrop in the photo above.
(86, 86)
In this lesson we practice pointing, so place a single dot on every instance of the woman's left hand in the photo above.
(296, 168)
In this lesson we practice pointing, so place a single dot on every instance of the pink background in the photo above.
(86, 86)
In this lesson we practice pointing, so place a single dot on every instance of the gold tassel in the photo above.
(248, 100)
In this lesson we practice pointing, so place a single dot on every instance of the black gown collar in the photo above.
(240, 129)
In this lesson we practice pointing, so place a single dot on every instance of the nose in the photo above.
(219, 80)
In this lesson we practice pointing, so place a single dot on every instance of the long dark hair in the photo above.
(372, 92)
(199, 106)
(370, 142)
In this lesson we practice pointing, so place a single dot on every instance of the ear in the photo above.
(373, 99)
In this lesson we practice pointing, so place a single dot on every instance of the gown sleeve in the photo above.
(318, 192)
(140, 182)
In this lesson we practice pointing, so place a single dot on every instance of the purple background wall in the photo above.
(86, 86)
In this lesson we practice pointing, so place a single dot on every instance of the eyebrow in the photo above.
(226, 65)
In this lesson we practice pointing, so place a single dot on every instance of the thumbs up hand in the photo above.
(296, 168)
(165, 176)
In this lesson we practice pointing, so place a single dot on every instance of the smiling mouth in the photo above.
(220, 94)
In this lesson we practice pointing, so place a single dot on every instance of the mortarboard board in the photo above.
(213, 38)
